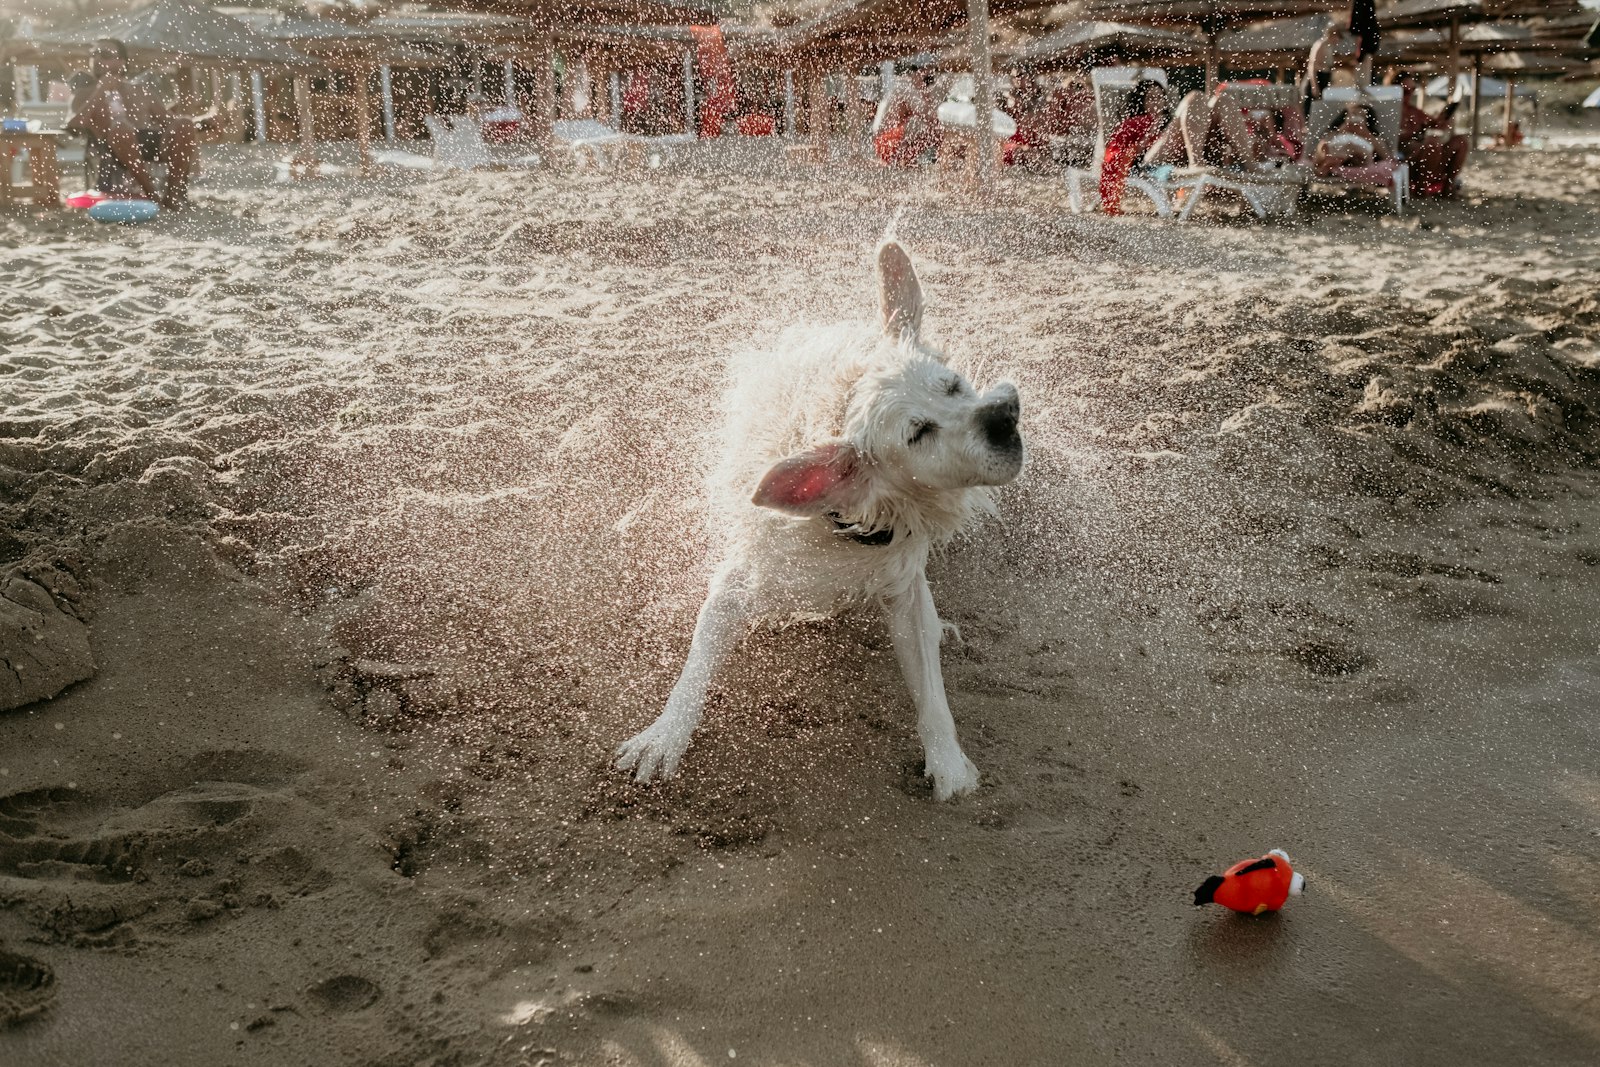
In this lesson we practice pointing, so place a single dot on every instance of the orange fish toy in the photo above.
(1253, 886)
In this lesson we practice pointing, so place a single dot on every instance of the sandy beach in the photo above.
(367, 516)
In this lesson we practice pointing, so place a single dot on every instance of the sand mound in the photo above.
(43, 649)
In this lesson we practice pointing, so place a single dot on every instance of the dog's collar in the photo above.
(852, 531)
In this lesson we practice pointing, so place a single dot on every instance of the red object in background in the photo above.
(712, 59)
(887, 143)
(637, 95)
(501, 132)
(86, 199)
(1251, 887)
(755, 124)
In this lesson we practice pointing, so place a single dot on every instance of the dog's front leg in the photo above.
(914, 625)
(724, 618)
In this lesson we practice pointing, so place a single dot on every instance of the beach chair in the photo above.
(1268, 192)
(1111, 88)
(457, 142)
(1385, 101)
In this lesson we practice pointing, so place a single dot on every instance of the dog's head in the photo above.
(914, 427)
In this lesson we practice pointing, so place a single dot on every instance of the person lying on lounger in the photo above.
(1353, 150)
(130, 122)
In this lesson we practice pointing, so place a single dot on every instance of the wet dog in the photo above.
(848, 456)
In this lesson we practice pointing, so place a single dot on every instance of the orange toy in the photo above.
(1253, 886)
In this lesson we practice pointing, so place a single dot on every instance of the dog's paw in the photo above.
(654, 752)
(953, 776)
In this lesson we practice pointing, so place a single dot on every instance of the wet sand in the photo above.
(377, 505)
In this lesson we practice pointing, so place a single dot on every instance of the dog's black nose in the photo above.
(998, 421)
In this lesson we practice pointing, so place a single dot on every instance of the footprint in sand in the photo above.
(343, 994)
(65, 834)
(27, 987)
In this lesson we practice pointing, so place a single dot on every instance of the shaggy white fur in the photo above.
(848, 456)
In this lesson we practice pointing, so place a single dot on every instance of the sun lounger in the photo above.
(457, 142)
(1270, 190)
(1385, 101)
(1111, 87)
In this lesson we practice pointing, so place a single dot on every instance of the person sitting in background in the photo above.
(130, 123)
(1131, 140)
(1353, 150)
(1068, 122)
(1430, 144)
(908, 121)
(1030, 145)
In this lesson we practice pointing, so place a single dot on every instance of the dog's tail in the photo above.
(889, 230)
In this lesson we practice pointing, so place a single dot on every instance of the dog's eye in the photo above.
(954, 387)
(919, 430)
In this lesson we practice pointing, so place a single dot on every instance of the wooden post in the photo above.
(854, 128)
(363, 118)
(688, 92)
(542, 120)
(1455, 58)
(386, 94)
(304, 164)
(258, 103)
(817, 114)
(1511, 97)
(789, 118)
(1477, 96)
(615, 80)
(984, 142)
(1212, 64)
(511, 84)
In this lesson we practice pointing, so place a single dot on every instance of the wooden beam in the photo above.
(1477, 96)
(854, 127)
(1508, 119)
(386, 95)
(817, 114)
(983, 70)
(789, 116)
(305, 164)
(542, 119)
(689, 116)
(363, 118)
(258, 104)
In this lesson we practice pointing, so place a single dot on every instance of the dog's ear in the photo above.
(899, 292)
(812, 482)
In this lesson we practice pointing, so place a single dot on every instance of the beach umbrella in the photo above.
(1211, 17)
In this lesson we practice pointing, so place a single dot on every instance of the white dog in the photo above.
(849, 455)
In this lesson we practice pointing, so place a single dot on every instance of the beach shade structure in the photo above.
(1592, 100)
(1512, 36)
(1489, 88)
(172, 31)
(355, 54)
(850, 34)
(525, 37)
(1211, 17)
(1092, 44)
(1284, 43)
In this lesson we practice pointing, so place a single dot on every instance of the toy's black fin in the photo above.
(1258, 865)
(1207, 888)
